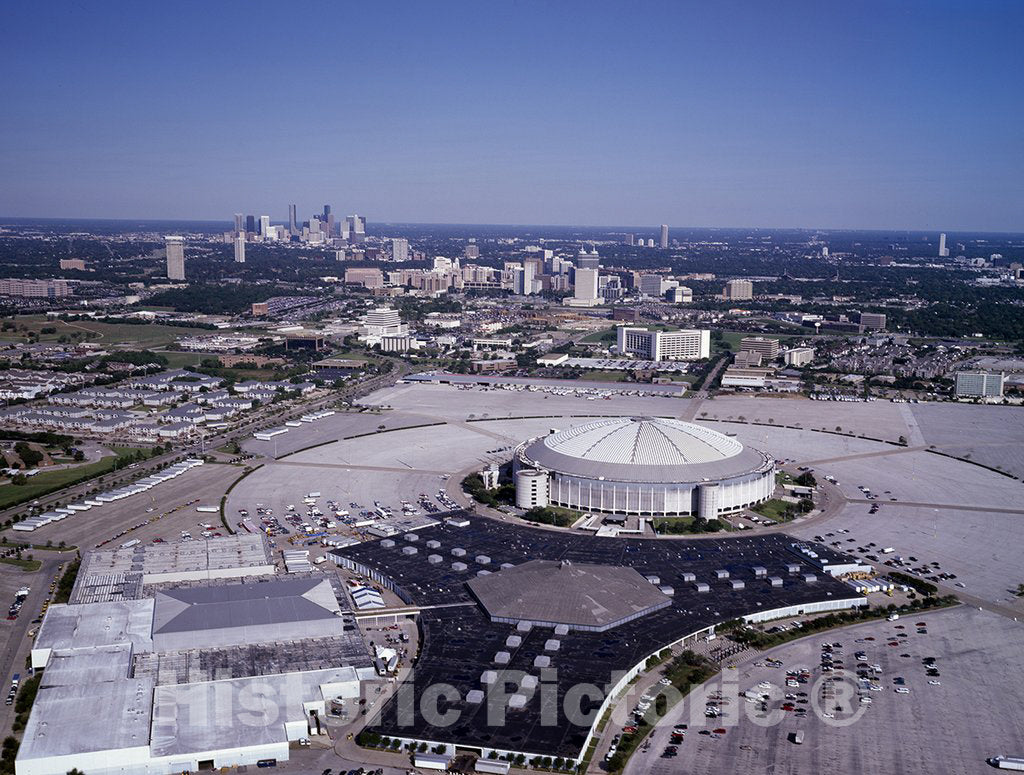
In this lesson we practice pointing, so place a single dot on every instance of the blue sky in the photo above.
(818, 114)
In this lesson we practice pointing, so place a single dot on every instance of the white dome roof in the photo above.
(644, 441)
(642, 449)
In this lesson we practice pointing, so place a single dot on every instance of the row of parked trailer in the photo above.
(56, 515)
(270, 433)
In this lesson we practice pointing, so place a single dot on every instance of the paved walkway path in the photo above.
(861, 455)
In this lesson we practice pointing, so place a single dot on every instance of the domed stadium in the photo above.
(645, 466)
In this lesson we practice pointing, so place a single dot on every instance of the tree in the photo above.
(806, 479)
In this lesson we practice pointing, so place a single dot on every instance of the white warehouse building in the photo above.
(642, 466)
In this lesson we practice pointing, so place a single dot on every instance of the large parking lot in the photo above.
(971, 713)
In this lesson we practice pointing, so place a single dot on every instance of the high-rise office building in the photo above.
(400, 250)
(355, 229)
(239, 223)
(175, 247)
(664, 236)
(586, 284)
(631, 239)
(328, 220)
(943, 250)
(250, 224)
(529, 277)
(588, 260)
(471, 251)
(293, 225)
(239, 250)
(738, 289)
(264, 225)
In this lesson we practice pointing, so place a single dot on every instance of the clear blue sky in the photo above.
(819, 114)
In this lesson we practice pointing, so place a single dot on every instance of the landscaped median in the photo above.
(685, 672)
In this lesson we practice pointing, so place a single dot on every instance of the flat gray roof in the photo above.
(547, 591)
(97, 624)
(77, 719)
(88, 666)
(214, 716)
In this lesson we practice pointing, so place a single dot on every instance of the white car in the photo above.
(902, 690)
(935, 683)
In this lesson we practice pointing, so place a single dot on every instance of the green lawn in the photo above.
(145, 336)
(774, 509)
(26, 565)
(49, 481)
(178, 360)
(685, 526)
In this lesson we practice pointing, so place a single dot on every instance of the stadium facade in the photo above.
(651, 467)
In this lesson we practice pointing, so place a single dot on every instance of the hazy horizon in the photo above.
(844, 116)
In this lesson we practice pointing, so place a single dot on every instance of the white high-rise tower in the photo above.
(175, 257)
(943, 250)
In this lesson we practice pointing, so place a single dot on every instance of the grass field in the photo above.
(48, 481)
(26, 565)
(178, 360)
(146, 336)
(773, 509)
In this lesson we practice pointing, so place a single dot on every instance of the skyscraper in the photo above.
(328, 221)
(664, 236)
(585, 260)
(943, 250)
(264, 225)
(355, 229)
(239, 250)
(239, 223)
(175, 247)
(250, 224)
(293, 226)
(400, 249)
(586, 284)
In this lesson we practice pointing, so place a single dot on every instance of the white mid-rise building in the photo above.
(799, 356)
(380, 323)
(686, 345)
(979, 384)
